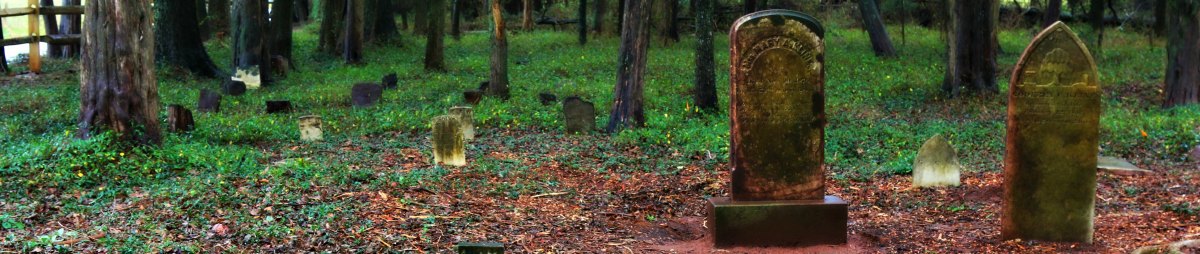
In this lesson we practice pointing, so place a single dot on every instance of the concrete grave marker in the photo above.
(365, 94)
(310, 128)
(448, 144)
(777, 111)
(209, 101)
(936, 164)
(1052, 141)
(467, 116)
(580, 115)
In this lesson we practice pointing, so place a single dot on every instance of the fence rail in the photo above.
(35, 38)
(48, 10)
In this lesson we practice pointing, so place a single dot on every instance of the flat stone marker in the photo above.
(480, 248)
(365, 94)
(1118, 166)
(278, 107)
(448, 144)
(390, 81)
(467, 116)
(580, 115)
(234, 88)
(1050, 155)
(777, 110)
(936, 164)
(310, 128)
(179, 119)
(209, 101)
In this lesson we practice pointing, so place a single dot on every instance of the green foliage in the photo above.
(1182, 209)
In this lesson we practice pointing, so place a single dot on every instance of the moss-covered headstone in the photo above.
(467, 115)
(777, 111)
(1050, 155)
(578, 115)
(448, 144)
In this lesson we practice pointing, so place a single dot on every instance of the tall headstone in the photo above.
(209, 101)
(448, 144)
(936, 164)
(467, 115)
(1050, 155)
(777, 110)
(365, 94)
(310, 128)
(580, 115)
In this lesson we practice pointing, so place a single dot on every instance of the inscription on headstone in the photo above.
(1052, 141)
(448, 145)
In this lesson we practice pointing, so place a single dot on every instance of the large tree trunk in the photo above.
(435, 59)
(1053, 12)
(973, 47)
(250, 50)
(526, 15)
(71, 24)
(706, 80)
(881, 43)
(118, 90)
(421, 18)
(598, 16)
(352, 53)
(51, 23)
(627, 109)
(498, 82)
(1183, 53)
(202, 18)
(281, 29)
(218, 20)
(582, 17)
(333, 20)
(177, 42)
(385, 20)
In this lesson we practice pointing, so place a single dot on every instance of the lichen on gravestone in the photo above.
(467, 116)
(448, 143)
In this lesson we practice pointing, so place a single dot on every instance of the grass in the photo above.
(881, 110)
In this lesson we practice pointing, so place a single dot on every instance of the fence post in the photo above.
(35, 54)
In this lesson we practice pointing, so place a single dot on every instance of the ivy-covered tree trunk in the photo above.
(177, 42)
(118, 90)
(582, 17)
(881, 43)
(435, 59)
(250, 49)
(218, 19)
(627, 109)
(71, 24)
(972, 47)
(1183, 53)
(281, 29)
(352, 53)
(498, 82)
(706, 77)
(332, 21)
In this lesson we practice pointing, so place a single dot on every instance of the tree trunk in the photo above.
(421, 17)
(51, 23)
(71, 24)
(434, 45)
(706, 80)
(749, 6)
(498, 82)
(301, 11)
(1183, 53)
(333, 20)
(627, 109)
(1053, 12)
(526, 15)
(202, 18)
(973, 47)
(177, 43)
(880, 41)
(598, 16)
(455, 20)
(118, 90)
(385, 20)
(1096, 16)
(249, 45)
(352, 53)
(1160, 17)
(582, 17)
(218, 20)
(281, 29)
(620, 17)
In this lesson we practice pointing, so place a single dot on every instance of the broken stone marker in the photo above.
(209, 101)
(278, 107)
(179, 118)
(480, 248)
(365, 94)
(776, 148)
(580, 115)
(448, 145)
(473, 97)
(1052, 141)
(310, 128)
(234, 88)
(936, 164)
(547, 98)
(390, 81)
(467, 116)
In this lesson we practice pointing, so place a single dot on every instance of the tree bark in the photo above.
(1096, 16)
(281, 29)
(973, 47)
(749, 6)
(620, 17)
(598, 16)
(300, 11)
(249, 45)
(526, 15)
(455, 20)
(352, 52)
(71, 24)
(177, 42)
(498, 82)
(1183, 53)
(434, 43)
(1160, 17)
(1053, 12)
(627, 109)
(218, 20)
(881, 43)
(582, 17)
(706, 80)
(385, 20)
(118, 90)
(421, 16)
(333, 20)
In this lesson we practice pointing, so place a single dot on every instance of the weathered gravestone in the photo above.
(448, 144)
(310, 128)
(467, 116)
(209, 101)
(233, 87)
(179, 119)
(580, 115)
(777, 143)
(936, 164)
(365, 94)
(1050, 155)
(278, 107)
(479, 248)
(390, 81)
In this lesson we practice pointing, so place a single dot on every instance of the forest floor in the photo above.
(242, 182)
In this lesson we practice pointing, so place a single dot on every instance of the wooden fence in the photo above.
(34, 11)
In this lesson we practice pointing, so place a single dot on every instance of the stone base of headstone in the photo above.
(782, 223)
(479, 248)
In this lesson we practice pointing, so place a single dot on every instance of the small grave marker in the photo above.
(310, 128)
(448, 144)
